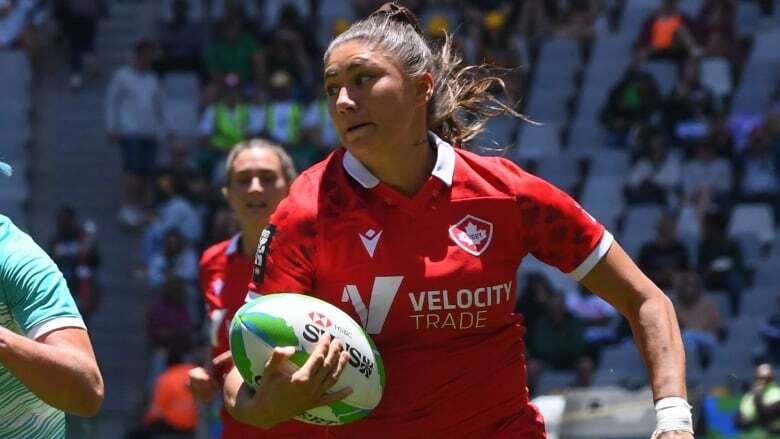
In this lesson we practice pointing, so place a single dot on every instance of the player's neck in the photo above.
(250, 235)
(409, 168)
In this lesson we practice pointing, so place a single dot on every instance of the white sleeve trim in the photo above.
(48, 326)
(594, 257)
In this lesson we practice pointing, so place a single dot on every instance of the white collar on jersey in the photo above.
(444, 168)
(233, 244)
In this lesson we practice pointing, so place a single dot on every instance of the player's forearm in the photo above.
(235, 399)
(657, 335)
(64, 378)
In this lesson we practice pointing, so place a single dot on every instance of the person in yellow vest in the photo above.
(227, 122)
(284, 117)
(759, 409)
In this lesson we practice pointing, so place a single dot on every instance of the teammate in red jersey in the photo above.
(420, 242)
(257, 176)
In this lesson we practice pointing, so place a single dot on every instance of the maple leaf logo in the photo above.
(472, 234)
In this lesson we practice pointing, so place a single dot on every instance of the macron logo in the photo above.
(370, 240)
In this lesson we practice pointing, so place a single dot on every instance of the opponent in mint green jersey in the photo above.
(46, 359)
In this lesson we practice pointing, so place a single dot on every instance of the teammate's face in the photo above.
(256, 185)
(371, 100)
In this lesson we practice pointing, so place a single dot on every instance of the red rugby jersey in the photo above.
(432, 279)
(224, 274)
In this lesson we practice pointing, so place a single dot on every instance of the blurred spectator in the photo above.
(632, 102)
(534, 299)
(174, 212)
(135, 119)
(599, 318)
(577, 19)
(284, 119)
(770, 334)
(664, 257)
(79, 25)
(318, 129)
(176, 258)
(170, 325)
(226, 123)
(668, 33)
(758, 176)
(557, 339)
(717, 27)
(287, 50)
(759, 409)
(720, 260)
(19, 20)
(497, 48)
(720, 138)
(699, 318)
(181, 42)
(222, 224)
(172, 411)
(74, 250)
(655, 177)
(233, 50)
(707, 178)
(690, 105)
(773, 132)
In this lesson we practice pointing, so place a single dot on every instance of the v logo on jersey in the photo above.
(382, 294)
(370, 239)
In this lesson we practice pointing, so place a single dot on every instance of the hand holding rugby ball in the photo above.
(278, 320)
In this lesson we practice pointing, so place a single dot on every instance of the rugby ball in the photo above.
(299, 320)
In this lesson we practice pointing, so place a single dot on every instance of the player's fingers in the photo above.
(331, 359)
(329, 398)
(332, 378)
(279, 356)
(317, 357)
(222, 362)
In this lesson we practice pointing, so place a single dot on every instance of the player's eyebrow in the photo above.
(356, 62)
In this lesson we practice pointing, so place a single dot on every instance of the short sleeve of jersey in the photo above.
(557, 230)
(207, 270)
(34, 291)
(284, 261)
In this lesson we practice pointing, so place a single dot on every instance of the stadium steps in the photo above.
(71, 163)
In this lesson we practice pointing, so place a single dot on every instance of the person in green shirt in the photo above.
(47, 365)
(233, 51)
(758, 415)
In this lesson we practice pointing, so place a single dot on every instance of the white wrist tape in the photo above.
(672, 414)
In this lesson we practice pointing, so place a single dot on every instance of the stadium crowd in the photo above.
(698, 173)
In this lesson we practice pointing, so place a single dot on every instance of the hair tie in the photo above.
(400, 14)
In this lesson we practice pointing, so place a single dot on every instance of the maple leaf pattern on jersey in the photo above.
(472, 234)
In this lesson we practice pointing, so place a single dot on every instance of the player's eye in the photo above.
(363, 79)
(332, 90)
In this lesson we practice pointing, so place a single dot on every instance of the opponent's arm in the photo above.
(653, 322)
(59, 367)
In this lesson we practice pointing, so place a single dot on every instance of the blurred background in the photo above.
(661, 117)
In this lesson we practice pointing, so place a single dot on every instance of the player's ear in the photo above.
(424, 89)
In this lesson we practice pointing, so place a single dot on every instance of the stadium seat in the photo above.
(690, 7)
(664, 73)
(182, 118)
(560, 281)
(621, 364)
(548, 105)
(753, 218)
(562, 171)
(16, 61)
(639, 227)
(716, 74)
(499, 135)
(196, 11)
(182, 86)
(602, 197)
(759, 301)
(536, 141)
(610, 162)
(634, 14)
(748, 15)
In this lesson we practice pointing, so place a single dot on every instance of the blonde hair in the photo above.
(288, 168)
(463, 99)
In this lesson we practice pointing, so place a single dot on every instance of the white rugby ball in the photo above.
(299, 320)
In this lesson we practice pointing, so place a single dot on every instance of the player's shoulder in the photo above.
(215, 253)
(311, 190)
(489, 174)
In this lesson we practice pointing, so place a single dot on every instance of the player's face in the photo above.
(256, 186)
(371, 100)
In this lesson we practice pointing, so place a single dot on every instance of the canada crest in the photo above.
(472, 234)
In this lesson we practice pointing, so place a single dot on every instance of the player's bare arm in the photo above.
(653, 322)
(59, 367)
(282, 395)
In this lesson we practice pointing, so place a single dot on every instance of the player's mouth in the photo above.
(257, 205)
(356, 127)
